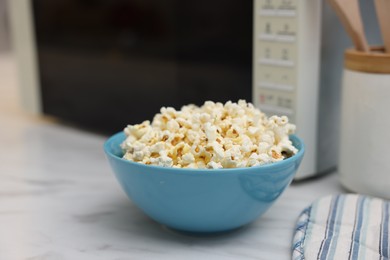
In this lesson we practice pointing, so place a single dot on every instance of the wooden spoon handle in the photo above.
(383, 13)
(349, 14)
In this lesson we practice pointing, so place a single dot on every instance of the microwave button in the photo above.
(267, 37)
(284, 102)
(284, 87)
(267, 85)
(270, 85)
(285, 38)
(288, 103)
(284, 63)
(286, 13)
(281, 63)
(267, 28)
(267, 12)
(287, 30)
(268, 5)
(266, 61)
(269, 109)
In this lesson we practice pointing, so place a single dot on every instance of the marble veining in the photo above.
(59, 200)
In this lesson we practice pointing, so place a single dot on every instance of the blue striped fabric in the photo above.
(355, 238)
(340, 210)
(384, 235)
(324, 249)
(345, 226)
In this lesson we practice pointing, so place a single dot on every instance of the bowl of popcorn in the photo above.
(211, 168)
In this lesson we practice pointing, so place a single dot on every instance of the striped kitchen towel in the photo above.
(346, 226)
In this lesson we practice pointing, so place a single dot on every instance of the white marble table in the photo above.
(59, 200)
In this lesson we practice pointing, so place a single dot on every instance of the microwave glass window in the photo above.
(104, 64)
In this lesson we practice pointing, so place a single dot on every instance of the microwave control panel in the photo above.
(275, 56)
(286, 58)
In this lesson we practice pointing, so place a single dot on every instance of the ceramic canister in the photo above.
(364, 162)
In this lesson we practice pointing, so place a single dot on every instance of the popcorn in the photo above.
(187, 159)
(212, 136)
(214, 165)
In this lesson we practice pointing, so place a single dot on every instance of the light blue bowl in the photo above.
(198, 200)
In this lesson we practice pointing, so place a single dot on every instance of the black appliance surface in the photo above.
(105, 64)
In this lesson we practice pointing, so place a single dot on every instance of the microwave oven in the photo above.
(104, 64)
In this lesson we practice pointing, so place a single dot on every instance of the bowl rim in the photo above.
(223, 171)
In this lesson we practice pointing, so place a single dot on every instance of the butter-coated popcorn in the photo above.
(213, 136)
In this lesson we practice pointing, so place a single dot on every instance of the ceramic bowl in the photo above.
(196, 200)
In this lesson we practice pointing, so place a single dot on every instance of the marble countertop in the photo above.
(60, 200)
